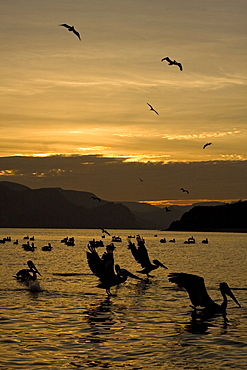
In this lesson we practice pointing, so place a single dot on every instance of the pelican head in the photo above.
(159, 264)
(32, 267)
(225, 290)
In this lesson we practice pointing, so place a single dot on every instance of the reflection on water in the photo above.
(69, 323)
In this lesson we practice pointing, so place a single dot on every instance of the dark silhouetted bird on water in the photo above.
(184, 190)
(103, 268)
(198, 294)
(140, 254)
(71, 29)
(205, 145)
(151, 108)
(28, 275)
(172, 62)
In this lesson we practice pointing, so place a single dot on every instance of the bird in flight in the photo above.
(151, 108)
(71, 29)
(184, 190)
(205, 145)
(140, 179)
(96, 198)
(172, 62)
(104, 231)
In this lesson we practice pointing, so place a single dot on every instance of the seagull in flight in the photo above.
(71, 29)
(184, 190)
(151, 108)
(205, 145)
(172, 62)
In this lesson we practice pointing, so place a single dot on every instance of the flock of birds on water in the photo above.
(110, 275)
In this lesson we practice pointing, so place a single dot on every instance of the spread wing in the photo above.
(65, 25)
(195, 287)
(77, 34)
(167, 59)
(180, 66)
(140, 254)
(103, 267)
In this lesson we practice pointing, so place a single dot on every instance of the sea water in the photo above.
(69, 323)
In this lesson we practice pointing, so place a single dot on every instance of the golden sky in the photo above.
(63, 96)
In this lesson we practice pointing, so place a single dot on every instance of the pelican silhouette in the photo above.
(71, 29)
(140, 254)
(198, 294)
(151, 108)
(28, 275)
(103, 268)
(184, 190)
(205, 145)
(172, 62)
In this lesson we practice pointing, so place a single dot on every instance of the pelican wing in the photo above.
(140, 254)
(180, 66)
(77, 34)
(65, 25)
(167, 59)
(195, 287)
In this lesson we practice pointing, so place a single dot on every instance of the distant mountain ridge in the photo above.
(21, 206)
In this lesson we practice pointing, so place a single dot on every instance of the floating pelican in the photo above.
(140, 254)
(47, 247)
(28, 275)
(151, 108)
(198, 294)
(103, 268)
(71, 28)
(207, 144)
(172, 62)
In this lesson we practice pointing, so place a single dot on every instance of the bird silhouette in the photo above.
(184, 190)
(205, 145)
(28, 275)
(71, 29)
(151, 108)
(140, 179)
(104, 231)
(96, 198)
(103, 268)
(172, 62)
(198, 294)
(140, 254)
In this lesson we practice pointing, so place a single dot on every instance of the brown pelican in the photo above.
(184, 190)
(151, 108)
(172, 62)
(140, 254)
(198, 294)
(28, 275)
(71, 28)
(205, 145)
(47, 247)
(103, 268)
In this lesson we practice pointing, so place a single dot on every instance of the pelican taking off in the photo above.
(151, 108)
(71, 29)
(205, 145)
(140, 254)
(103, 268)
(172, 62)
(198, 294)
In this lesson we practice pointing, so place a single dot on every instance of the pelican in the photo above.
(71, 28)
(103, 268)
(172, 62)
(47, 247)
(184, 190)
(207, 144)
(28, 275)
(151, 108)
(198, 294)
(140, 254)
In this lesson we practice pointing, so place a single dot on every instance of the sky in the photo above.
(74, 113)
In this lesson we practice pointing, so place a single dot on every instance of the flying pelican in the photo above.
(103, 268)
(140, 179)
(151, 108)
(184, 190)
(205, 145)
(140, 254)
(198, 294)
(173, 62)
(96, 198)
(71, 28)
(28, 275)
(104, 231)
